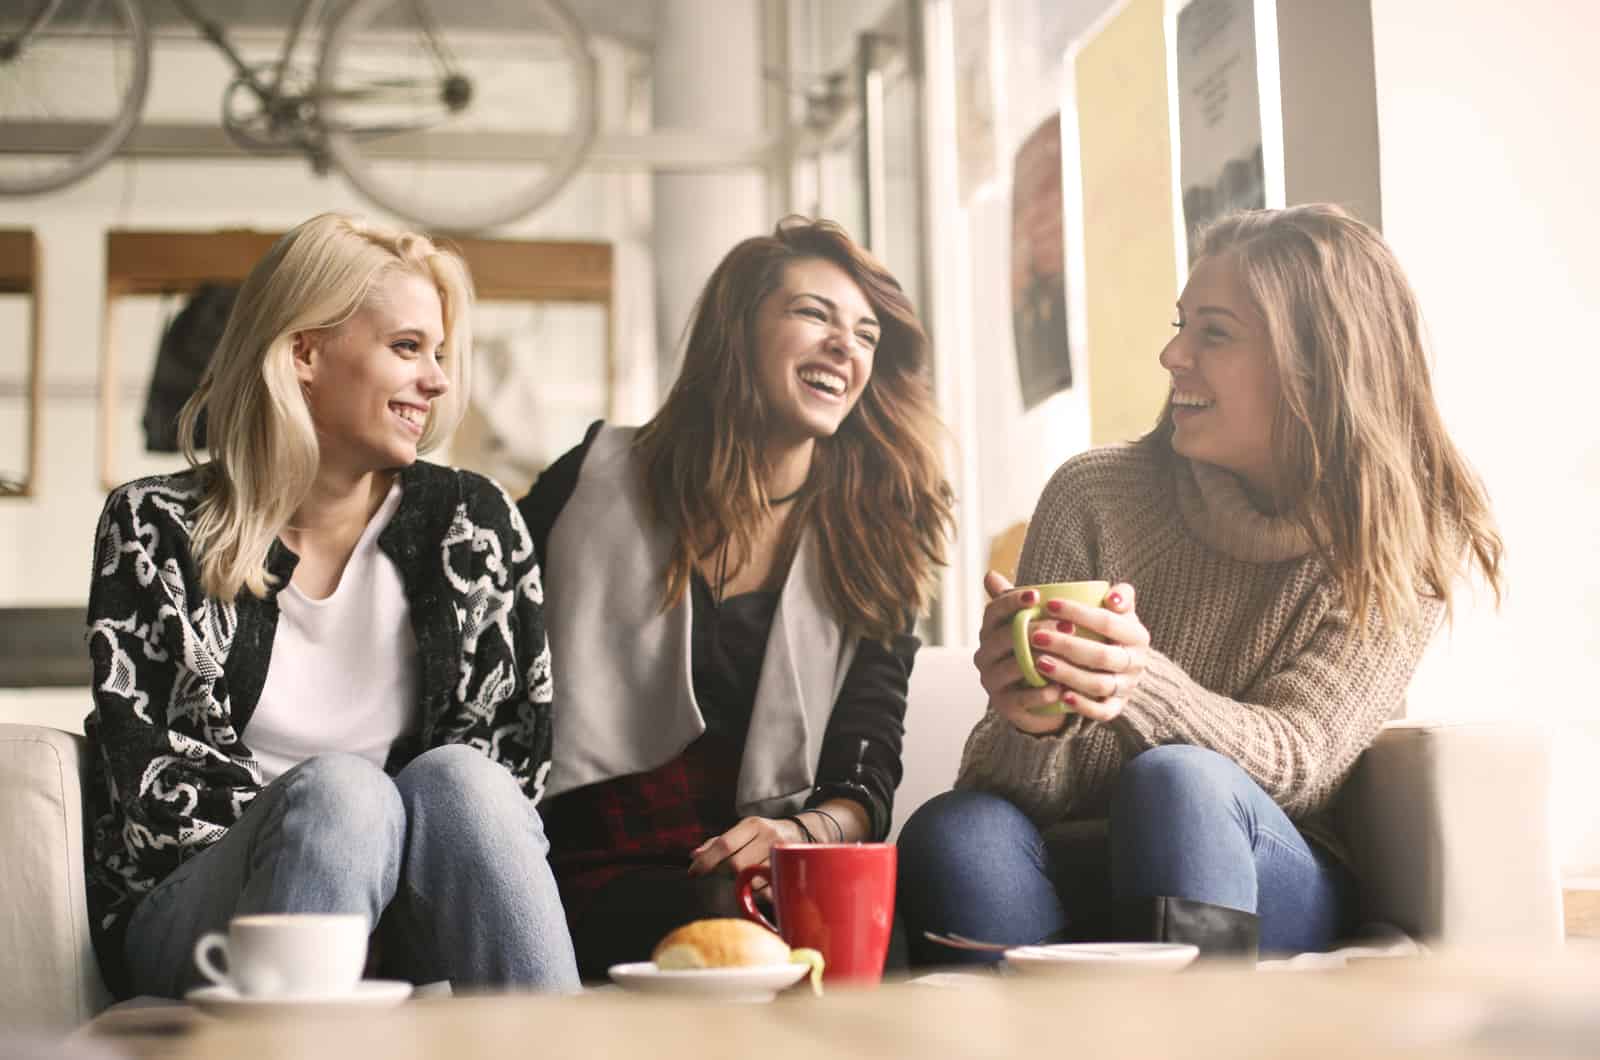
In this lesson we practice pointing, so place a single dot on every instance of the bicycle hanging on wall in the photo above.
(401, 102)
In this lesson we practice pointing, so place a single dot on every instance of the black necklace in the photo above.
(722, 556)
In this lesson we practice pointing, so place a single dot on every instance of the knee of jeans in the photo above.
(347, 796)
(1174, 774)
(455, 778)
(961, 821)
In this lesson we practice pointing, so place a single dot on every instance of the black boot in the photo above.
(1216, 929)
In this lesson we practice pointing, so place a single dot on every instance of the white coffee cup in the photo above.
(287, 955)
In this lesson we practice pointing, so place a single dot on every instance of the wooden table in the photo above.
(1546, 1006)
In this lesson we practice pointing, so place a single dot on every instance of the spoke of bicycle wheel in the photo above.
(436, 42)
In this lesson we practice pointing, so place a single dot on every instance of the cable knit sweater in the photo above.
(1248, 642)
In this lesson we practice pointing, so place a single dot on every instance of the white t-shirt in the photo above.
(343, 672)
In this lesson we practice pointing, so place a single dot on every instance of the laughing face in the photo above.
(815, 340)
(371, 380)
(1225, 386)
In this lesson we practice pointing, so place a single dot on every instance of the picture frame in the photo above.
(20, 275)
(1228, 142)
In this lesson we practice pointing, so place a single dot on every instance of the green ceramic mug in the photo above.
(1090, 594)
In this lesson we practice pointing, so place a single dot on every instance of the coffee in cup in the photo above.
(287, 955)
(836, 898)
(1090, 594)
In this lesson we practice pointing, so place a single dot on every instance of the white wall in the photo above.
(1489, 148)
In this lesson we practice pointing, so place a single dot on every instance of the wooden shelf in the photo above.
(503, 270)
(508, 270)
(19, 261)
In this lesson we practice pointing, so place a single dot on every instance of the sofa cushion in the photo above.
(1448, 825)
(48, 978)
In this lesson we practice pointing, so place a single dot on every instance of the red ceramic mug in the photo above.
(836, 898)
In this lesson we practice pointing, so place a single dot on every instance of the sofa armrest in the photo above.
(1449, 829)
(49, 977)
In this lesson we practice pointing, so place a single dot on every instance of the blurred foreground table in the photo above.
(1546, 1005)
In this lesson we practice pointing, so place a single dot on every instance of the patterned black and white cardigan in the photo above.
(177, 674)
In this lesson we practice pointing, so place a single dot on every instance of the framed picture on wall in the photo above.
(1038, 266)
(1220, 160)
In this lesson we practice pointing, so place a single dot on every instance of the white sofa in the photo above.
(1449, 824)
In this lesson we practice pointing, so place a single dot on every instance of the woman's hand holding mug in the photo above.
(1086, 659)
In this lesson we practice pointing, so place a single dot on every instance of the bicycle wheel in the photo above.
(73, 77)
(450, 125)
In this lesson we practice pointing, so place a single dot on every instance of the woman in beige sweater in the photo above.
(1282, 546)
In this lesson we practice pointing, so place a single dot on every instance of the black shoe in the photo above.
(1216, 929)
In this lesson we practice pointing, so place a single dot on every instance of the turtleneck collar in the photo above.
(1217, 510)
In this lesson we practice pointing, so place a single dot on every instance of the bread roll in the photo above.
(726, 942)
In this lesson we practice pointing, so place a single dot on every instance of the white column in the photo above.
(707, 78)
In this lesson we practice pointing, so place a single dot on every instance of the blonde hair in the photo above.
(877, 479)
(259, 433)
(1365, 465)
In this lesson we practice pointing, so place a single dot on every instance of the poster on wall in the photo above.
(1219, 112)
(1038, 270)
(975, 152)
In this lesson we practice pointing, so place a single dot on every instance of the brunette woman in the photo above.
(731, 591)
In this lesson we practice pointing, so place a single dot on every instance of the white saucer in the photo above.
(1102, 957)
(227, 1002)
(760, 983)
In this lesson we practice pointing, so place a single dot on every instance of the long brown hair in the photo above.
(876, 496)
(1365, 465)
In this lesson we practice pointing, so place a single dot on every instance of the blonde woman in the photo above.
(1282, 547)
(321, 681)
(731, 633)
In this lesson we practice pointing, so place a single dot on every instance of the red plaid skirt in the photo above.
(606, 830)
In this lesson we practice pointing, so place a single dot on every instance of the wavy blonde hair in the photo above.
(1365, 465)
(877, 497)
(259, 433)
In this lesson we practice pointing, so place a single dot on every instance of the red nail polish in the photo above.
(1030, 597)
(1055, 607)
(1046, 665)
(1115, 599)
(1066, 627)
(1068, 698)
(1041, 640)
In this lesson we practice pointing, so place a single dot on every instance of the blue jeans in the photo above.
(448, 859)
(1185, 822)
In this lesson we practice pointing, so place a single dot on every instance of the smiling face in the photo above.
(370, 381)
(1225, 385)
(816, 336)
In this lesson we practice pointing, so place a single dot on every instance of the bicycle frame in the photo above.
(267, 92)
(9, 48)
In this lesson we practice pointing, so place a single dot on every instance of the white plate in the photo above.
(760, 983)
(225, 1001)
(1099, 957)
